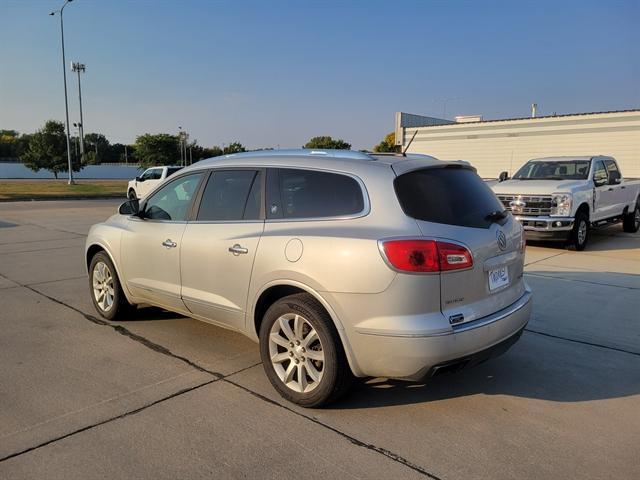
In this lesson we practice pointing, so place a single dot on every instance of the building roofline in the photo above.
(530, 118)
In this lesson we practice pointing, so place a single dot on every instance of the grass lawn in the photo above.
(43, 189)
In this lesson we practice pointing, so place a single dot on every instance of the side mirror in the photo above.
(130, 207)
(614, 178)
(600, 182)
(139, 179)
(503, 176)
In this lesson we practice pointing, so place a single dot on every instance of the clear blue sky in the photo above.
(276, 73)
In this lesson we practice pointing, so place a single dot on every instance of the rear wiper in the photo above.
(496, 215)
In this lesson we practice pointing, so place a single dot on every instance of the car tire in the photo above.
(106, 292)
(580, 233)
(631, 221)
(301, 352)
(132, 194)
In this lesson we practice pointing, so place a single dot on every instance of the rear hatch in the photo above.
(451, 203)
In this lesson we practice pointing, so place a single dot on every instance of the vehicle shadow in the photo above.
(609, 238)
(512, 374)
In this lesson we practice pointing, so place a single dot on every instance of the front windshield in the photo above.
(547, 170)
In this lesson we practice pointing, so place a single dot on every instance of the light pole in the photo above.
(80, 67)
(66, 103)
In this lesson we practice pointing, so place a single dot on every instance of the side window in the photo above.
(173, 200)
(148, 174)
(157, 174)
(312, 194)
(231, 195)
(599, 173)
(612, 171)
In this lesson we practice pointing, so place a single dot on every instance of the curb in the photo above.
(61, 197)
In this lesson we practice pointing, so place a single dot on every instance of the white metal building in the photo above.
(493, 146)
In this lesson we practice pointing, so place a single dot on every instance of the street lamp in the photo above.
(66, 103)
(80, 67)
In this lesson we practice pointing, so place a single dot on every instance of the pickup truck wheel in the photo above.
(132, 194)
(631, 221)
(301, 352)
(580, 232)
(106, 291)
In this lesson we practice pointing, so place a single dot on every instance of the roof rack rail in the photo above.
(348, 154)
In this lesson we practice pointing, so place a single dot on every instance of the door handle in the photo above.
(622, 187)
(610, 189)
(168, 243)
(238, 249)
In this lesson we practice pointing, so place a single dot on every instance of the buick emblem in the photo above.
(502, 240)
(517, 205)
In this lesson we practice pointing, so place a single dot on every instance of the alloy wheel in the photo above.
(296, 353)
(102, 281)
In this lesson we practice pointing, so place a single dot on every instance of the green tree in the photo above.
(327, 142)
(387, 145)
(97, 149)
(9, 144)
(199, 152)
(47, 149)
(159, 149)
(235, 147)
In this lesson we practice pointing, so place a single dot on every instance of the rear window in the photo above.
(450, 195)
(293, 193)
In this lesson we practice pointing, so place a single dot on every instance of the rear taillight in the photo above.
(453, 256)
(426, 255)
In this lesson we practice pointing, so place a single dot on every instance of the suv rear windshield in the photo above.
(449, 195)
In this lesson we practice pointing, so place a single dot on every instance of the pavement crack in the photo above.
(109, 420)
(125, 414)
(124, 331)
(369, 446)
(545, 258)
(582, 342)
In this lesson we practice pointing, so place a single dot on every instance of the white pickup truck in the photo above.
(563, 198)
(152, 177)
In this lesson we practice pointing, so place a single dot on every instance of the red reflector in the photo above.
(426, 255)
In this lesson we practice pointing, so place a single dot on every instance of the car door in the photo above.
(603, 194)
(615, 186)
(219, 246)
(150, 245)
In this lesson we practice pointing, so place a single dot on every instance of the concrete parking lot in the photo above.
(163, 396)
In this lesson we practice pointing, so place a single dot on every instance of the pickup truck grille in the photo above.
(533, 204)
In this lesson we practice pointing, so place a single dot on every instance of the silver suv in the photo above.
(340, 264)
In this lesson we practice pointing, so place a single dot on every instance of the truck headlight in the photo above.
(561, 204)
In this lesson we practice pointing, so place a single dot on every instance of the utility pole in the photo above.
(66, 102)
(126, 160)
(80, 67)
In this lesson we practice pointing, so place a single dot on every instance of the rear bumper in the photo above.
(414, 357)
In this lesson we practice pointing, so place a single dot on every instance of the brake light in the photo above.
(426, 255)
